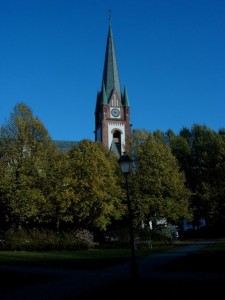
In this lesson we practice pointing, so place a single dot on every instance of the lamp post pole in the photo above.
(126, 166)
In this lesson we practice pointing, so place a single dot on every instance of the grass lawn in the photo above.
(210, 259)
(82, 259)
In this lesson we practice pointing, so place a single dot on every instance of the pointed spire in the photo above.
(110, 72)
(125, 98)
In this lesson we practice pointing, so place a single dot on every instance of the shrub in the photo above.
(44, 240)
(165, 235)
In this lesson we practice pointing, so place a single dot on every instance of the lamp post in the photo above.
(125, 163)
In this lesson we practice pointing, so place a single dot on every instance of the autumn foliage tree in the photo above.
(175, 176)
(95, 182)
(29, 160)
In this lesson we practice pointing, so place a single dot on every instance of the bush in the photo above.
(44, 240)
(166, 235)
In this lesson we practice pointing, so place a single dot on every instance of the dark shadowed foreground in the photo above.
(180, 273)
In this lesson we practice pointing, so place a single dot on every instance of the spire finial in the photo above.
(109, 12)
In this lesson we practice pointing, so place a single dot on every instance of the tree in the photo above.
(28, 158)
(95, 183)
(200, 152)
(158, 186)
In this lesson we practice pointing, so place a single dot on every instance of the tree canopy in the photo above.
(158, 185)
(176, 176)
(26, 152)
(95, 183)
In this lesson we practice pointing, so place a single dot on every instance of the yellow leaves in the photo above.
(95, 185)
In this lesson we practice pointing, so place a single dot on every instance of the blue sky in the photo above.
(170, 54)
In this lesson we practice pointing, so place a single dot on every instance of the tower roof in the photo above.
(110, 73)
(125, 98)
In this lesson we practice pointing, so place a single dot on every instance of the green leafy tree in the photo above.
(53, 182)
(95, 183)
(28, 161)
(158, 185)
(202, 159)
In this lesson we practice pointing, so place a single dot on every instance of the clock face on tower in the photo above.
(115, 112)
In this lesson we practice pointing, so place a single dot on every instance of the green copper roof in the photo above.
(125, 98)
(110, 73)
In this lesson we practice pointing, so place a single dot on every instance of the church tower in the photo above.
(112, 114)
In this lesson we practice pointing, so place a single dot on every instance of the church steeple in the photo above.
(112, 114)
(110, 73)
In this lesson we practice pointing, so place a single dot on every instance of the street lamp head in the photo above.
(125, 163)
